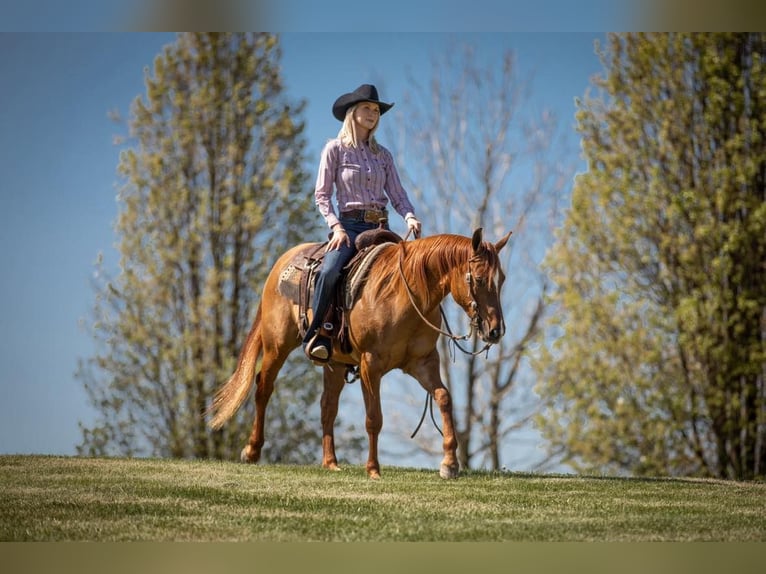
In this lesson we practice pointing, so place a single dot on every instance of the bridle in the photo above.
(475, 320)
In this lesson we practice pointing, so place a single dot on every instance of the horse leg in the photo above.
(273, 360)
(374, 420)
(334, 382)
(426, 371)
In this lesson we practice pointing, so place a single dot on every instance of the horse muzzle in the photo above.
(490, 331)
(494, 336)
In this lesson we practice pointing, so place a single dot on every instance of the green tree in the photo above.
(658, 360)
(213, 191)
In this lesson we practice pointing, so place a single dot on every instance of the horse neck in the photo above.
(433, 265)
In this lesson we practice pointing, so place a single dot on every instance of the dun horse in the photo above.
(388, 328)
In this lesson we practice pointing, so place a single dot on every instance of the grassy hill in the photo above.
(68, 499)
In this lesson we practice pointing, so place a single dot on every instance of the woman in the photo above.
(365, 179)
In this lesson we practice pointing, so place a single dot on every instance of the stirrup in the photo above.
(319, 352)
(318, 349)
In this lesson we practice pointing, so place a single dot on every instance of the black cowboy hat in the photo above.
(364, 93)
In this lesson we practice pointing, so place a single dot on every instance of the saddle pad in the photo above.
(357, 275)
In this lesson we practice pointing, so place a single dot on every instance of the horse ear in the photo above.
(500, 244)
(476, 240)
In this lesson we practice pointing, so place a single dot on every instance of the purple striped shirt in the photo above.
(362, 179)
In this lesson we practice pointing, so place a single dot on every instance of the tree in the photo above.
(473, 137)
(659, 360)
(213, 191)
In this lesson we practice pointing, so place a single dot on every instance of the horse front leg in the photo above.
(334, 382)
(426, 371)
(449, 467)
(374, 420)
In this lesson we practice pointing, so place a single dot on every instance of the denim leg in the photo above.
(333, 264)
(325, 285)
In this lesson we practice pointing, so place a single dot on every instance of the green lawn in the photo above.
(68, 499)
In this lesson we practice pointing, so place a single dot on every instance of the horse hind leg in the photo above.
(251, 452)
(334, 383)
(374, 419)
(278, 336)
(273, 359)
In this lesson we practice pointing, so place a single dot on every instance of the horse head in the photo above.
(480, 295)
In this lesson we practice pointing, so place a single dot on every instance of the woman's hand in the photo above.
(339, 237)
(413, 225)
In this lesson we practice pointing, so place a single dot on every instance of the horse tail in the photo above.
(232, 394)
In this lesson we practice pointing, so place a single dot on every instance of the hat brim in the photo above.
(343, 103)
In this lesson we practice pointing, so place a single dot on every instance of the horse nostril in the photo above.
(494, 334)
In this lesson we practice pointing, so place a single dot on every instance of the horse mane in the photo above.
(439, 253)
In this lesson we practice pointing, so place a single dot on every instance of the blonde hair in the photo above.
(347, 133)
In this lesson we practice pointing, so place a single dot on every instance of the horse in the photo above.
(391, 325)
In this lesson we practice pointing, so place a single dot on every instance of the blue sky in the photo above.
(58, 187)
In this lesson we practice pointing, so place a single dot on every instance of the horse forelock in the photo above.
(492, 257)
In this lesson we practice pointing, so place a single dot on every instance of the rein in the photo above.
(448, 333)
(429, 404)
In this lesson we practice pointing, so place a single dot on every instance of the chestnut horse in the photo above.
(388, 329)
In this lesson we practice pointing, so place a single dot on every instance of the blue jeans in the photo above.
(328, 277)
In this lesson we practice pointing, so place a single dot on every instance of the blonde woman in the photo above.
(363, 175)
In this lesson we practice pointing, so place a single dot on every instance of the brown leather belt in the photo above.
(366, 215)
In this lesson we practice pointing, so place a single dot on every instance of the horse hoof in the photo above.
(448, 472)
(247, 456)
(373, 475)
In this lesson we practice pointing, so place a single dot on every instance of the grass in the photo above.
(69, 499)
